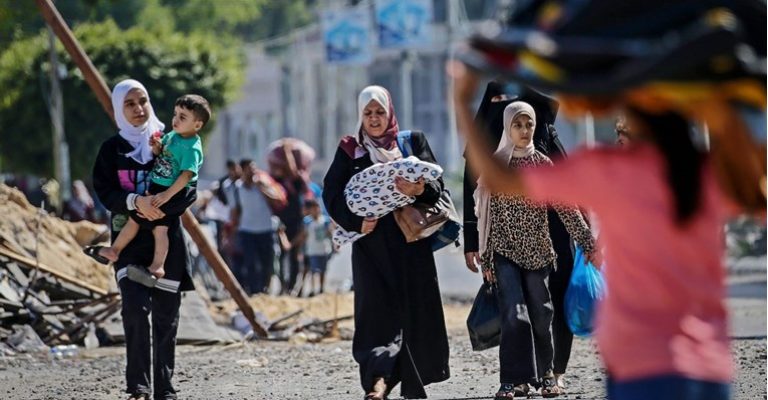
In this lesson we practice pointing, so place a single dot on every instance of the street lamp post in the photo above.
(56, 110)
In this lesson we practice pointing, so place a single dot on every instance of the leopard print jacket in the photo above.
(520, 228)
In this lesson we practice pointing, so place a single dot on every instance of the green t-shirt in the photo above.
(179, 154)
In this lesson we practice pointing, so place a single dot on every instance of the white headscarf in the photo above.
(381, 149)
(505, 151)
(137, 136)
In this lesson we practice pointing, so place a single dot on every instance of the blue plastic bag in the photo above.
(585, 289)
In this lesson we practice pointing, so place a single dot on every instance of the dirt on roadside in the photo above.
(326, 370)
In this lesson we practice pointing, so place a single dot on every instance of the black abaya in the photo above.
(400, 330)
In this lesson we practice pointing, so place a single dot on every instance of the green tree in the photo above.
(168, 64)
(22, 19)
(246, 20)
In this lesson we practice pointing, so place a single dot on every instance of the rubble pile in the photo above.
(50, 292)
(313, 319)
(53, 242)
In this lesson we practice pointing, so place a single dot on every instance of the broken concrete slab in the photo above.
(195, 324)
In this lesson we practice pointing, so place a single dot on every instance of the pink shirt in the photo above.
(664, 312)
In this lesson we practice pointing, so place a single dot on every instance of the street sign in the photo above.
(404, 24)
(347, 36)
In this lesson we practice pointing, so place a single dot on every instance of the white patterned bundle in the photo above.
(371, 193)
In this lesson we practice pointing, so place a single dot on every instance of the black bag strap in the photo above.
(555, 139)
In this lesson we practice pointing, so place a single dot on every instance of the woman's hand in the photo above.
(489, 276)
(596, 258)
(409, 188)
(473, 260)
(368, 225)
(146, 210)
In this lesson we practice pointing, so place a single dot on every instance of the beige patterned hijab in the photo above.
(505, 152)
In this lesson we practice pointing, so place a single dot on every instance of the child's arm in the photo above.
(285, 244)
(157, 147)
(163, 197)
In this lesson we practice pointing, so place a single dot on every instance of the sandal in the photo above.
(93, 252)
(549, 387)
(560, 380)
(141, 276)
(379, 392)
(508, 391)
(139, 396)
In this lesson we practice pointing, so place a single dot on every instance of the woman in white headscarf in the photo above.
(400, 334)
(120, 179)
(516, 254)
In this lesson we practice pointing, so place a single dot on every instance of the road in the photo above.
(281, 370)
(746, 287)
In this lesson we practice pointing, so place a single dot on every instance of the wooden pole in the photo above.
(100, 89)
(222, 271)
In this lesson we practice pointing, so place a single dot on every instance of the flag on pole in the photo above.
(404, 24)
(347, 36)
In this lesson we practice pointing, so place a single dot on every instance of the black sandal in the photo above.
(549, 387)
(509, 391)
(141, 276)
(139, 396)
(93, 252)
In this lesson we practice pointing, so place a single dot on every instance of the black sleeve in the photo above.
(105, 179)
(421, 149)
(471, 239)
(334, 182)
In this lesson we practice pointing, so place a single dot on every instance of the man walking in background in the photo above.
(252, 220)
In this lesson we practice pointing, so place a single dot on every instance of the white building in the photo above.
(298, 94)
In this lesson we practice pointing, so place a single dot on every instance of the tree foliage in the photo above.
(137, 38)
(168, 64)
(246, 20)
(22, 19)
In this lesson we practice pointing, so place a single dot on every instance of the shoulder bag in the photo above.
(417, 221)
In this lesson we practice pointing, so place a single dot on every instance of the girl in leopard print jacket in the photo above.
(516, 254)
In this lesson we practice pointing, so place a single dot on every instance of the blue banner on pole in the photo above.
(404, 24)
(347, 36)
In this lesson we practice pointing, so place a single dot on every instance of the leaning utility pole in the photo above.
(56, 110)
(100, 89)
(453, 24)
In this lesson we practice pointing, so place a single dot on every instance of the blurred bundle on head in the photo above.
(702, 59)
(303, 154)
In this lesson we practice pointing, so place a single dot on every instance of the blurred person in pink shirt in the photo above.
(662, 329)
